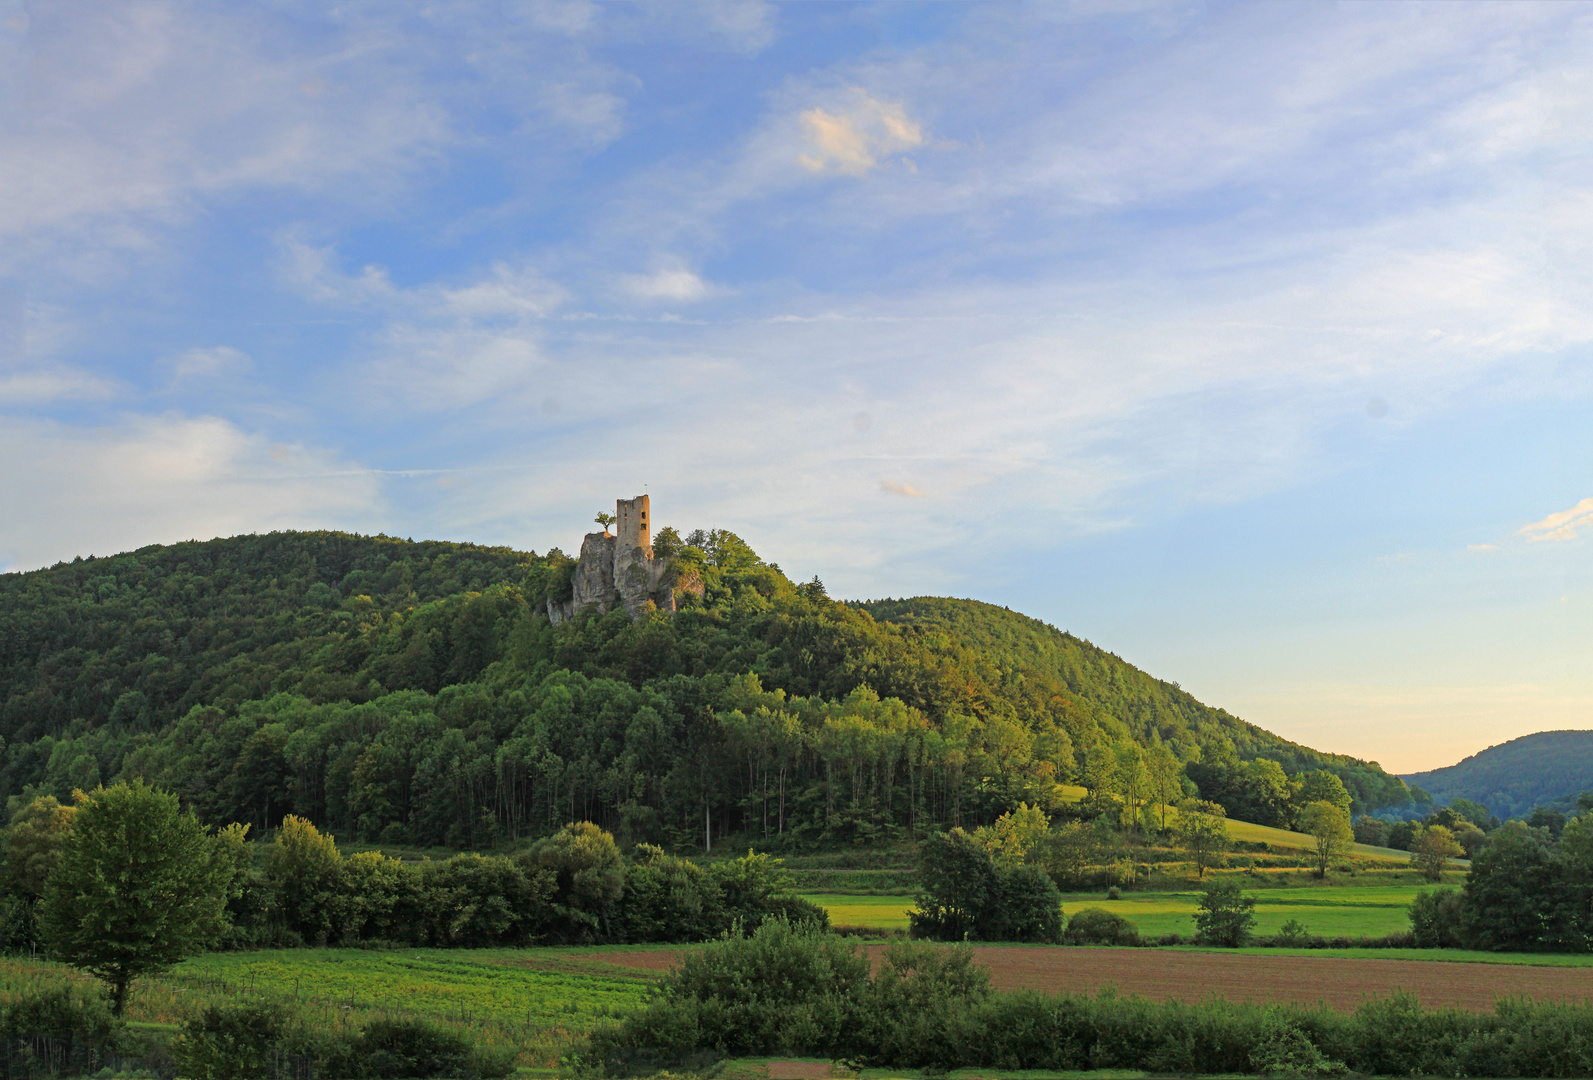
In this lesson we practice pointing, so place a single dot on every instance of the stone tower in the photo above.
(632, 529)
(621, 569)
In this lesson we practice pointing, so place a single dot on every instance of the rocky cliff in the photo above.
(607, 575)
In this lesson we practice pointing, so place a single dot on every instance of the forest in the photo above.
(414, 693)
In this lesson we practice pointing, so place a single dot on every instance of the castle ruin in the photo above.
(621, 569)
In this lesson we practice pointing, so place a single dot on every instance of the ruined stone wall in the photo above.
(621, 569)
(632, 528)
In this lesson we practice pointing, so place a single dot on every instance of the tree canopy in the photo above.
(416, 693)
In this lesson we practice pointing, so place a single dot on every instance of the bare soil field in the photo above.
(1165, 974)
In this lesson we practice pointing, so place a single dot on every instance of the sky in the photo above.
(1250, 342)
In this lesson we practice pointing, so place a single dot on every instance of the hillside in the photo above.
(400, 692)
(1514, 777)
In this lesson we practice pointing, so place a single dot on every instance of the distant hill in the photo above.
(418, 693)
(1514, 777)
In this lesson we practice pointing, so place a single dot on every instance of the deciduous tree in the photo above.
(139, 886)
(1329, 826)
(1203, 834)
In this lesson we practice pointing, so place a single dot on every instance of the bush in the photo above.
(1435, 918)
(1225, 915)
(790, 992)
(57, 1031)
(264, 1041)
(1292, 935)
(965, 896)
(1114, 893)
(1097, 926)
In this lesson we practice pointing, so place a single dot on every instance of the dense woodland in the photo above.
(416, 693)
(1549, 768)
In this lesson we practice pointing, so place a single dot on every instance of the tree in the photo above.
(139, 885)
(1319, 785)
(1100, 774)
(1432, 849)
(1067, 851)
(1329, 825)
(33, 844)
(957, 882)
(1165, 772)
(605, 520)
(306, 872)
(590, 876)
(1225, 914)
(1203, 834)
(1015, 834)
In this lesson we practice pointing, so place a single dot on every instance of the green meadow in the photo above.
(533, 1000)
(1331, 911)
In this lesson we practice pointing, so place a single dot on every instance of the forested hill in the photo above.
(1514, 777)
(416, 693)
(1148, 708)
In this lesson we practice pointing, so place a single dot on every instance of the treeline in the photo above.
(416, 694)
(1526, 891)
(783, 992)
(572, 887)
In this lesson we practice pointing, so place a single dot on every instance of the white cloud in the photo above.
(670, 283)
(894, 488)
(1563, 525)
(38, 386)
(852, 140)
(215, 362)
(76, 491)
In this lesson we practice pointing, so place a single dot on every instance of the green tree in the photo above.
(589, 874)
(1202, 833)
(1432, 849)
(1165, 773)
(957, 882)
(1225, 915)
(1329, 826)
(305, 872)
(1319, 785)
(33, 843)
(604, 519)
(139, 885)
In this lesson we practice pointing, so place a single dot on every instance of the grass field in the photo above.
(533, 1000)
(1339, 911)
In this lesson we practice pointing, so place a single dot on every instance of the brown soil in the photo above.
(1165, 974)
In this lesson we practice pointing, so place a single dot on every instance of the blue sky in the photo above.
(1250, 342)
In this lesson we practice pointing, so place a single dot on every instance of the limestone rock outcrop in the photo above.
(621, 569)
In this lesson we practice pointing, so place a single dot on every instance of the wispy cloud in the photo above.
(892, 487)
(1563, 525)
(70, 490)
(852, 140)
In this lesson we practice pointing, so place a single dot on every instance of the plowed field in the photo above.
(1166, 974)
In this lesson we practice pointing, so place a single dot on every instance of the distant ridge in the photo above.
(1513, 777)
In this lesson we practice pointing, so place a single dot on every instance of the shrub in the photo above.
(232, 1041)
(65, 1031)
(1097, 926)
(1435, 918)
(964, 895)
(1225, 915)
(1114, 893)
(1292, 935)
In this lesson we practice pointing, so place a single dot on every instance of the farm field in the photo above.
(1299, 976)
(1331, 911)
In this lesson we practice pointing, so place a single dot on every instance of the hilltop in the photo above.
(404, 692)
(1512, 778)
